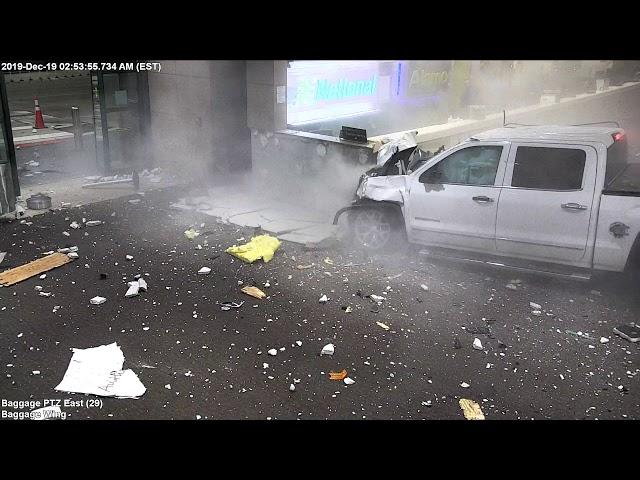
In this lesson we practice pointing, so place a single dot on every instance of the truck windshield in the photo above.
(616, 160)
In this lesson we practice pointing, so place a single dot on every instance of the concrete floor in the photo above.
(529, 367)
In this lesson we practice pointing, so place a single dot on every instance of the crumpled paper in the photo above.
(98, 371)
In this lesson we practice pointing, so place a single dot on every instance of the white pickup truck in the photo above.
(542, 196)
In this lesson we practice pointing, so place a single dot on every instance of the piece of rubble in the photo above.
(97, 300)
(377, 298)
(44, 294)
(273, 352)
(323, 299)
(129, 257)
(535, 306)
(424, 287)
(477, 344)
(134, 289)
(93, 223)
(382, 325)
(465, 385)
(328, 349)
(142, 284)
(204, 271)
(292, 388)
(604, 340)
(349, 381)
(72, 255)
(74, 225)
(254, 292)
(471, 409)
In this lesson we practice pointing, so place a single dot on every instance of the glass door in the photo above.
(9, 186)
(121, 116)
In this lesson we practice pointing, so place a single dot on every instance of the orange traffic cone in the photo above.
(39, 119)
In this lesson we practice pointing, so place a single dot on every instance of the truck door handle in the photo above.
(482, 199)
(573, 206)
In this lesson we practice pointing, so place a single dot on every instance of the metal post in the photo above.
(77, 127)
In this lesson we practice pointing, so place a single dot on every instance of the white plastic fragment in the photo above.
(72, 255)
(604, 340)
(97, 300)
(328, 349)
(323, 299)
(477, 344)
(349, 381)
(376, 298)
(465, 385)
(424, 287)
(93, 223)
(273, 352)
(292, 388)
(535, 306)
(299, 343)
(129, 257)
(204, 271)
(142, 284)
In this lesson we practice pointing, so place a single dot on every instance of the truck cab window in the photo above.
(475, 165)
(546, 168)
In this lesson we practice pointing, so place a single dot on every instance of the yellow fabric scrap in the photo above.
(261, 246)
(471, 409)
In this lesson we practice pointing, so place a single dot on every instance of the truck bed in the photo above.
(627, 183)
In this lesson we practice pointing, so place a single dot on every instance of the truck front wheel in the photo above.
(375, 228)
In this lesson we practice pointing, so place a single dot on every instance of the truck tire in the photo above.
(376, 229)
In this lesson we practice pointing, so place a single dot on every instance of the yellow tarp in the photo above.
(262, 246)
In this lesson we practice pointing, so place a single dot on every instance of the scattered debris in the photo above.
(349, 381)
(191, 233)
(261, 246)
(471, 409)
(75, 225)
(347, 309)
(535, 306)
(31, 269)
(229, 305)
(604, 340)
(97, 300)
(377, 298)
(292, 388)
(129, 257)
(98, 371)
(477, 344)
(204, 271)
(323, 299)
(142, 284)
(254, 292)
(382, 325)
(134, 289)
(328, 349)
(465, 385)
(273, 352)
(338, 375)
(629, 332)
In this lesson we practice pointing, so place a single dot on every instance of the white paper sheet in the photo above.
(98, 371)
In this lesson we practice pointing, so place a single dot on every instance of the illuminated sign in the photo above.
(324, 90)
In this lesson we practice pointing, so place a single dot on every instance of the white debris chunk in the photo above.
(72, 255)
(142, 284)
(129, 257)
(204, 271)
(44, 294)
(328, 349)
(349, 381)
(604, 340)
(168, 386)
(376, 298)
(465, 385)
(98, 371)
(43, 276)
(323, 299)
(299, 343)
(273, 352)
(134, 288)
(93, 223)
(477, 344)
(535, 306)
(97, 300)
(74, 225)
(292, 388)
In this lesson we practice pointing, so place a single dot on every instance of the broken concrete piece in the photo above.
(273, 352)
(604, 340)
(142, 284)
(477, 344)
(376, 298)
(292, 388)
(323, 299)
(97, 300)
(74, 225)
(134, 288)
(72, 255)
(328, 349)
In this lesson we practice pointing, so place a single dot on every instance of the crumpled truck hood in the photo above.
(390, 188)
